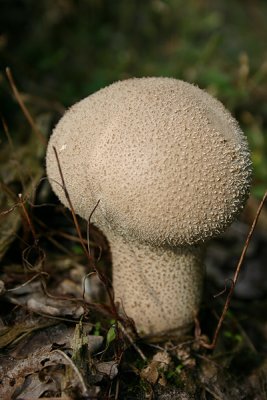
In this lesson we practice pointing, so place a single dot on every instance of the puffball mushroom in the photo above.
(171, 169)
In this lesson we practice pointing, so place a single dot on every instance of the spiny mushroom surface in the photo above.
(171, 169)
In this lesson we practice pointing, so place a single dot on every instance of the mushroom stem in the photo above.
(160, 289)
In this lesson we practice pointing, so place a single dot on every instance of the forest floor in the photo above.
(59, 336)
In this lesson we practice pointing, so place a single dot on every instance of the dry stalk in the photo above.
(212, 345)
(23, 107)
(27, 217)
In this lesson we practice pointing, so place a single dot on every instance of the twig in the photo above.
(84, 282)
(27, 282)
(57, 244)
(77, 372)
(235, 278)
(23, 107)
(12, 151)
(40, 260)
(67, 236)
(88, 227)
(21, 202)
(66, 193)
(54, 232)
(5, 212)
(215, 395)
(139, 351)
(225, 288)
(10, 141)
(27, 251)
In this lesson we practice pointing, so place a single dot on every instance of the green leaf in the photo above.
(111, 335)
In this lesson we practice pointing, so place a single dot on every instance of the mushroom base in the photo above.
(159, 289)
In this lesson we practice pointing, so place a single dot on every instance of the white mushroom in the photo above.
(171, 169)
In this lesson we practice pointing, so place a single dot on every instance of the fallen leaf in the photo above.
(154, 372)
(108, 368)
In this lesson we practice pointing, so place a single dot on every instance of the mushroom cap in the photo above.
(168, 162)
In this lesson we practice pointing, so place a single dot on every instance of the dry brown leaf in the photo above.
(9, 335)
(33, 297)
(154, 372)
(108, 368)
(55, 308)
(14, 380)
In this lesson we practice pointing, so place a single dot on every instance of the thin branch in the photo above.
(58, 245)
(84, 282)
(40, 260)
(10, 141)
(23, 107)
(137, 349)
(27, 282)
(225, 288)
(71, 206)
(235, 278)
(5, 212)
(75, 369)
(88, 227)
(26, 214)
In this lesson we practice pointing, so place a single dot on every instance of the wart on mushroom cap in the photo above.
(171, 168)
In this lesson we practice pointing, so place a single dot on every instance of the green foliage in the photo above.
(77, 249)
(111, 335)
(235, 338)
(97, 329)
(173, 375)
